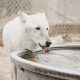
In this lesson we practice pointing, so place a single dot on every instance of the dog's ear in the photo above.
(23, 16)
(42, 14)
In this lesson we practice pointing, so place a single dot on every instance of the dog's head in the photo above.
(36, 28)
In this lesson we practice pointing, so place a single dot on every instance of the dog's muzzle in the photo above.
(46, 47)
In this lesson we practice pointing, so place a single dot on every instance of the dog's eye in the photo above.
(38, 28)
(46, 28)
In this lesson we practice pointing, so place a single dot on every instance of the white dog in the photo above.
(27, 32)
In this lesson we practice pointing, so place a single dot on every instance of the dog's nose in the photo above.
(48, 43)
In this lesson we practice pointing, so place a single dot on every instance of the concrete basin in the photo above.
(61, 63)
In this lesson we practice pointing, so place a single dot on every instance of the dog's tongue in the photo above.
(46, 49)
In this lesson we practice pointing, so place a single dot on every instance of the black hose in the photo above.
(65, 48)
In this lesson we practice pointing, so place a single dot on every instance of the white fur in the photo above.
(20, 33)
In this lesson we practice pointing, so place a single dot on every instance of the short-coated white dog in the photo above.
(27, 32)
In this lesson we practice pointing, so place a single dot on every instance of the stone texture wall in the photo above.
(64, 11)
(57, 11)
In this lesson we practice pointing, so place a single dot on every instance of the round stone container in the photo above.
(61, 63)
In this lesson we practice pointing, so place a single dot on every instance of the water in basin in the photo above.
(67, 59)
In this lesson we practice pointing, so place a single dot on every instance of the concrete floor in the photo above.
(5, 65)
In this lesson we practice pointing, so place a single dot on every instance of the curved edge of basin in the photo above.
(42, 69)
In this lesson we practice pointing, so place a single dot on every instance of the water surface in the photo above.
(67, 59)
